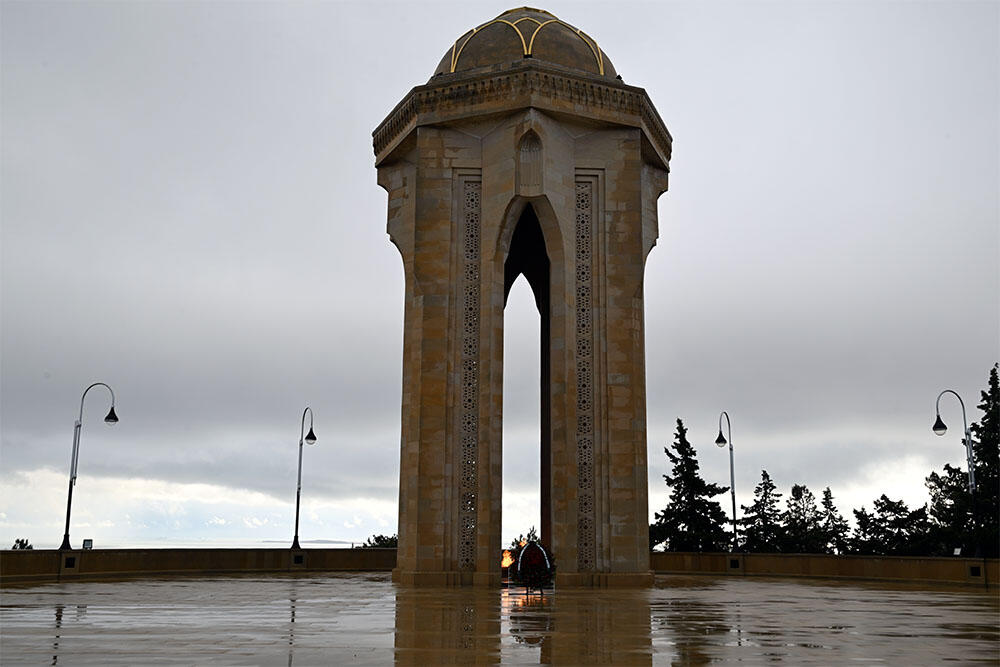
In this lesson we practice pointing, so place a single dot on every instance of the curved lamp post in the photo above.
(308, 438)
(111, 418)
(940, 429)
(721, 442)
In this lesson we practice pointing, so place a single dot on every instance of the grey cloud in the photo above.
(190, 213)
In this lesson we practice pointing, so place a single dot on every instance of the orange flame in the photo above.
(523, 542)
(508, 559)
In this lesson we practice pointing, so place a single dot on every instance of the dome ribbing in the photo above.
(526, 33)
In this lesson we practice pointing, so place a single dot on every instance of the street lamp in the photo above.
(721, 442)
(308, 438)
(940, 429)
(111, 418)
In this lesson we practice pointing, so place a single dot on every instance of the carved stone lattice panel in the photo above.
(585, 523)
(469, 405)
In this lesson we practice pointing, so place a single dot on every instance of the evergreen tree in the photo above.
(834, 525)
(892, 529)
(761, 522)
(690, 521)
(523, 539)
(921, 536)
(380, 542)
(801, 519)
(986, 451)
(862, 540)
(950, 508)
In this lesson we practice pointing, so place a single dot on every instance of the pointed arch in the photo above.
(530, 242)
(548, 222)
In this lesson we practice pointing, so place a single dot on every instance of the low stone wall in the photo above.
(46, 565)
(976, 571)
(40, 565)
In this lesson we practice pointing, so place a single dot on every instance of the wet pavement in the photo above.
(365, 619)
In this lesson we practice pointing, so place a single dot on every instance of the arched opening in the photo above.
(527, 256)
(521, 474)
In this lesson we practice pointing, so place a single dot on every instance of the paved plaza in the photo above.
(365, 619)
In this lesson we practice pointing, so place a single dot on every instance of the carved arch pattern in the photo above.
(529, 164)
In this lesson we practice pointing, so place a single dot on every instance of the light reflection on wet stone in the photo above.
(703, 620)
(365, 619)
(446, 626)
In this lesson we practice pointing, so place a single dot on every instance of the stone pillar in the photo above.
(581, 162)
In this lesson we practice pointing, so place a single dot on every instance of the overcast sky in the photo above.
(190, 214)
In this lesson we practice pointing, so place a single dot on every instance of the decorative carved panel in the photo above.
(469, 406)
(529, 164)
(585, 377)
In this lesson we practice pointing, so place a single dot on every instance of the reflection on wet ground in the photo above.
(365, 619)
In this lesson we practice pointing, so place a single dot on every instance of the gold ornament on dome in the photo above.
(527, 29)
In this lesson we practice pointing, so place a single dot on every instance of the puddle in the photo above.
(365, 619)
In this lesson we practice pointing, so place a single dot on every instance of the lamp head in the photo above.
(939, 428)
(721, 440)
(310, 436)
(112, 418)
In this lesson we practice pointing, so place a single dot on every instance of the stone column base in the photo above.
(453, 578)
(486, 579)
(412, 578)
(604, 579)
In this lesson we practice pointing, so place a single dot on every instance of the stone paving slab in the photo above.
(364, 619)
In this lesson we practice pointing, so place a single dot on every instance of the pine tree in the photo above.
(950, 508)
(921, 537)
(903, 532)
(834, 525)
(380, 542)
(690, 521)
(801, 519)
(761, 521)
(892, 529)
(862, 540)
(986, 451)
(891, 525)
(523, 539)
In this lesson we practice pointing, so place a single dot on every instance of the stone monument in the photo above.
(525, 153)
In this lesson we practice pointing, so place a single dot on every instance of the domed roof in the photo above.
(526, 33)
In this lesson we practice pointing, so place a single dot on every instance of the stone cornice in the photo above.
(531, 84)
